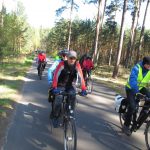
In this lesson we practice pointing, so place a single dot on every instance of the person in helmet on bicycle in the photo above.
(62, 55)
(41, 59)
(87, 66)
(64, 76)
(136, 84)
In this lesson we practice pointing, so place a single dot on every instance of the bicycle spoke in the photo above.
(70, 139)
(147, 135)
(121, 118)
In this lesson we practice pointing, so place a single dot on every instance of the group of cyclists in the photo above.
(65, 69)
(62, 74)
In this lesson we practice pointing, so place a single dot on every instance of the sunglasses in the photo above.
(63, 55)
(72, 58)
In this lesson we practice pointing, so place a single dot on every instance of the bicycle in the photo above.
(135, 124)
(68, 122)
(88, 81)
(40, 70)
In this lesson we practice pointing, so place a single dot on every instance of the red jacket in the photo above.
(60, 75)
(41, 57)
(87, 64)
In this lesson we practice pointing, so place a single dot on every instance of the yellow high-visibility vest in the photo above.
(142, 82)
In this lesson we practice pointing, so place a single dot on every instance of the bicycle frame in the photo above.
(66, 106)
(135, 125)
(70, 135)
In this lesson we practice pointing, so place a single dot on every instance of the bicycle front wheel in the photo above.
(70, 135)
(40, 74)
(89, 84)
(147, 135)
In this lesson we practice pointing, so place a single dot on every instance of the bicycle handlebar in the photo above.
(142, 97)
(64, 93)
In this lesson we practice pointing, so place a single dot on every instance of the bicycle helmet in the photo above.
(88, 57)
(63, 52)
(40, 52)
(146, 60)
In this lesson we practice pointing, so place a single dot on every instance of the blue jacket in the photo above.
(134, 75)
(51, 70)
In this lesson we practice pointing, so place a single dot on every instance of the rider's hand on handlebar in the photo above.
(139, 95)
(83, 93)
(55, 91)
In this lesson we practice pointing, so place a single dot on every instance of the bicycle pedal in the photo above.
(71, 117)
(146, 121)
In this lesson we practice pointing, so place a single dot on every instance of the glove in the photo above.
(55, 91)
(83, 93)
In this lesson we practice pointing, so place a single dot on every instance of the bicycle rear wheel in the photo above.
(147, 135)
(89, 84)
(70, 135)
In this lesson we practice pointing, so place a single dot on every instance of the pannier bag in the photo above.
(120, 104)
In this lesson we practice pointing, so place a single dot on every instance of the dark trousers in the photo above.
(41, 63)
(86, 73)
(132, 106)
(58, 100)
(39, 66)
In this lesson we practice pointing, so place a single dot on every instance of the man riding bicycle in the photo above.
(65, 73)
(87, 66)
(41, 59)
(62, 56)
(136, 85)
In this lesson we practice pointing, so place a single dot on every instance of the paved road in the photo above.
(97, 123)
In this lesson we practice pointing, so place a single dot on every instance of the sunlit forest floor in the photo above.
(103, 74)
(11, 80)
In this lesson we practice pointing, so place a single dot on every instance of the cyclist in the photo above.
(136, 84)
(41, 59)
(62, 55)
(87, 66)
(65, 73)
(83, 57)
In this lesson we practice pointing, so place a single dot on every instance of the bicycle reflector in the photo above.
(120, 103)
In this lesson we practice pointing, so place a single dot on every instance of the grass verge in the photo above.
(103, 75)
(11, 79)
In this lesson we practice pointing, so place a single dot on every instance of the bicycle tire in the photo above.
(70, 135)
(89, 84)
(40, 75)
(147, 135)
(121, 119)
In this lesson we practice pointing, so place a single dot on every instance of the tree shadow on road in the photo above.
(31, 129)
(103, 129)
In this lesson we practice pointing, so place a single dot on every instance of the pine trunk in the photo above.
(131, 43)
(120, 44)
(142, 33)
(100, 15)
(70, 24)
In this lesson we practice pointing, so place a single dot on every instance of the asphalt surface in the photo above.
(97, 122)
